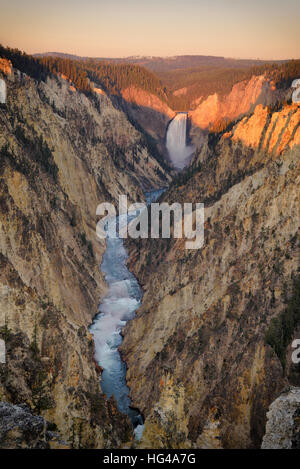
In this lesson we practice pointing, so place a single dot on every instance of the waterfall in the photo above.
(179, 152)
(2, 91)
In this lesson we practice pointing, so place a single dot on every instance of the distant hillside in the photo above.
(165, 64)
(178, 81)
(194, 83)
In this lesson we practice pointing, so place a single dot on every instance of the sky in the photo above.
(265, 29)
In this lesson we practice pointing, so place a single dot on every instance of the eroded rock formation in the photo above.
(61, 155)
(242, 99)
(199, 365)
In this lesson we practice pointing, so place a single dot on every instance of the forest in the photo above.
(204, 81)
(114, 77)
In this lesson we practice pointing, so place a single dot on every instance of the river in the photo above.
(119, 305)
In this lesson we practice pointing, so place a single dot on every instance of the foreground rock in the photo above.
(283, 425)
(200, 364)
(20, 429)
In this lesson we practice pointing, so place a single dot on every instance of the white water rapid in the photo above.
(118, 306)
(179, 151)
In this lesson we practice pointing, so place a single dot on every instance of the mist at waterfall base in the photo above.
(179, 152)
(118, 306)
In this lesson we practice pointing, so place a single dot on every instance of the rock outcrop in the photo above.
(272, 132)
(2, 91)
(283, 425)
(5, 66)
(147, 100)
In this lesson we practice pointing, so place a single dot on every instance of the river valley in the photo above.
(117, 307)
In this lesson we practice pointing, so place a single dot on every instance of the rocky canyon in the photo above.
(208, 349)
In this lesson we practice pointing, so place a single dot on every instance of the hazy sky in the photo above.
(264, 29)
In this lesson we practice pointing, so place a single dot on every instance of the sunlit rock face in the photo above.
(144, 99)
(2, 91)
(150, 112)
(5, 66)
(272, 133)
(243, 96)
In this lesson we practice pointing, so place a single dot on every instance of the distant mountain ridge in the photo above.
(164, 64)
(182, 89)
(181, 81)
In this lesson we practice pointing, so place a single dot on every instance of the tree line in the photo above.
(115, 77)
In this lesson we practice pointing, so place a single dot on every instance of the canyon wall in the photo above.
(242, 99)
(150, 113)
(153, 115)
(200, 366)
(61, 155)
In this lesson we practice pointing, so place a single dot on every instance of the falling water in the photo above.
(179, 152)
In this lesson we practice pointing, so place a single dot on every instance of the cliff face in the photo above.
(242, 99)
(199, 366)
(61, 155)
(152, 114)
(273, 133)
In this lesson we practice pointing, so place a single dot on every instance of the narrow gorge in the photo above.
(188, 348)
(117, 307)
